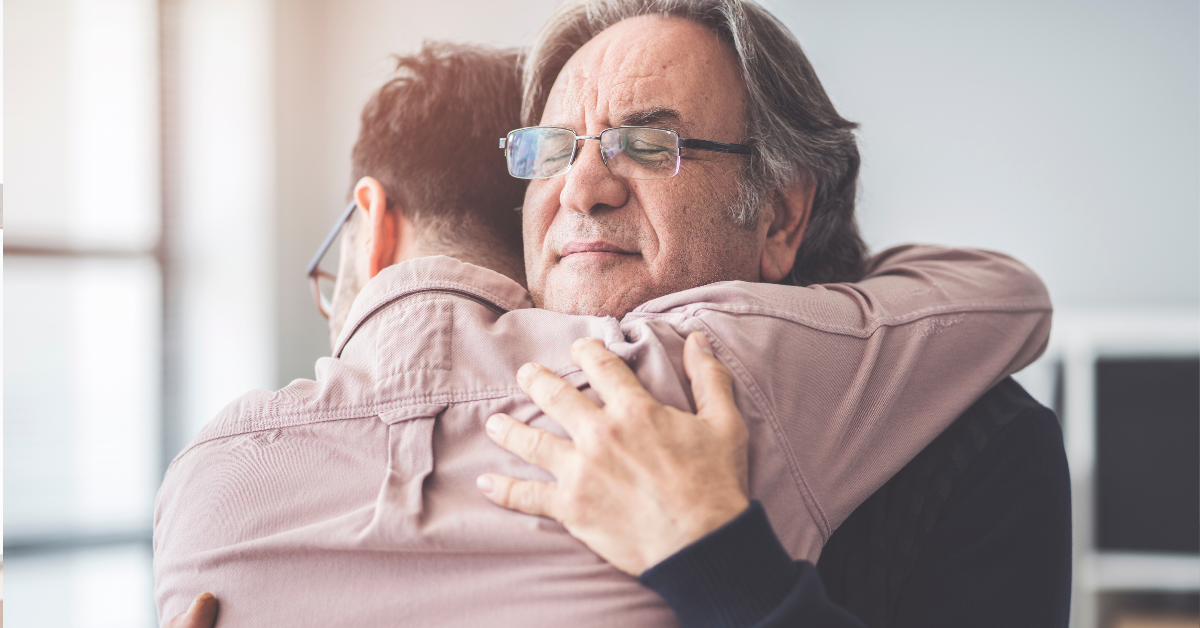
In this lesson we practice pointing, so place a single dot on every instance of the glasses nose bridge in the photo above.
(580, 138)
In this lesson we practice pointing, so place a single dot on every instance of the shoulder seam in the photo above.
(759, 399)
(872, 325)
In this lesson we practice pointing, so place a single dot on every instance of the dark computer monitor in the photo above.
(1148, 455)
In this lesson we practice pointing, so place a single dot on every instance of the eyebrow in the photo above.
(656, 116)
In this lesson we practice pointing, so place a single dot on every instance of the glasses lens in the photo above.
(322, 285)
(539, 152)
(640, 153)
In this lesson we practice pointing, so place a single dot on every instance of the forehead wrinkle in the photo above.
(634, 74)
(629, 92)
(640, 78)
(568, 99)
(616, 75)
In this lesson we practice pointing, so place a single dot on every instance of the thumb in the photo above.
(712, 383)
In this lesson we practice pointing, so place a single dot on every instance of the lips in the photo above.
(594, 246)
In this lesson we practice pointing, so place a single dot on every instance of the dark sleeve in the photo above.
(975, 531)
(739, 576)
(1001, 552)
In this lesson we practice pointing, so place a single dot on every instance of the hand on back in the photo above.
(638, 481)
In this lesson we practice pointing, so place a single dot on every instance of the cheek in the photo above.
(537, 213)
(694, 237)
(677, 216)
(659, 211)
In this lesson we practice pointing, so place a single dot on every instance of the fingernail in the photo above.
(485, 483)
(526, 371)
(493, 424)
(702, 340)
(579, 343)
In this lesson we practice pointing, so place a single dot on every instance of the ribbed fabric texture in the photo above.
(975, 531)
(733, 577)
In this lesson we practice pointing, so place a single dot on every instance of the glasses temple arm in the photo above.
(328, 242)
(717, 147)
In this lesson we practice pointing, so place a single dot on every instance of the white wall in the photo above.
(1065, 133)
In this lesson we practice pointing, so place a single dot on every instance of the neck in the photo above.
(487, 255)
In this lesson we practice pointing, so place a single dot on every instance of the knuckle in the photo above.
(573, 506)
(504, 435)
(516, 497)
(556, 393)
(634, 405)
(641, 403)
(503, 493)
(597, 359)
(536, 386)
(533, 444)
(719, 374)
(526, 498)
(715, 367)
(606, 432)
(605, 359)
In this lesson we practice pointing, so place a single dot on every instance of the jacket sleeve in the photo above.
(853, 380)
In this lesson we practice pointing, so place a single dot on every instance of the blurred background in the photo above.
(170, 166)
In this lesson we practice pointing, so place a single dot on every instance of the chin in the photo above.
(582, 307)
(587, 304)
(613, 290)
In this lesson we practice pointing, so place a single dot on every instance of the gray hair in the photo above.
(798, 134)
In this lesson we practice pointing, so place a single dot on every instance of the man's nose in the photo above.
(589, 184)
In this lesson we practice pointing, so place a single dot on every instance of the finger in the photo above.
(712, 383)
(531, 444)
(607, 373)
(201, 614)
(558, 399)
(527, 496)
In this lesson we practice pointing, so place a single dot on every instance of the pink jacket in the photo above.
(351, 500)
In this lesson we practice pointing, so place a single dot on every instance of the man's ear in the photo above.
(379, 245)
(791, 209)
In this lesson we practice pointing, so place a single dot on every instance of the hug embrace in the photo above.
(672, 389)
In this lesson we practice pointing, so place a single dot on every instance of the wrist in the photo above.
(682, 534)
(734, 576)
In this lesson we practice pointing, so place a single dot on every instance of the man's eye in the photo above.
(646, 148)
(650, 155)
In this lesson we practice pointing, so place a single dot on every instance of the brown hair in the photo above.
(430, 135)
(789, 119)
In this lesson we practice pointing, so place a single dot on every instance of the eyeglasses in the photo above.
(633, 152)
(315, 274)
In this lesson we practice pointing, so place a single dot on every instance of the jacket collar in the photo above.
(425, 274)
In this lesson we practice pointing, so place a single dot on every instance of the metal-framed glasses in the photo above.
(632, 152)
(316, 276)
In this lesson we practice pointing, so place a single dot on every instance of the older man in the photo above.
(880, 330)
(976, 531)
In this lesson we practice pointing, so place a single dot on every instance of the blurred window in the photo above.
(83, 395)
(84, 283)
